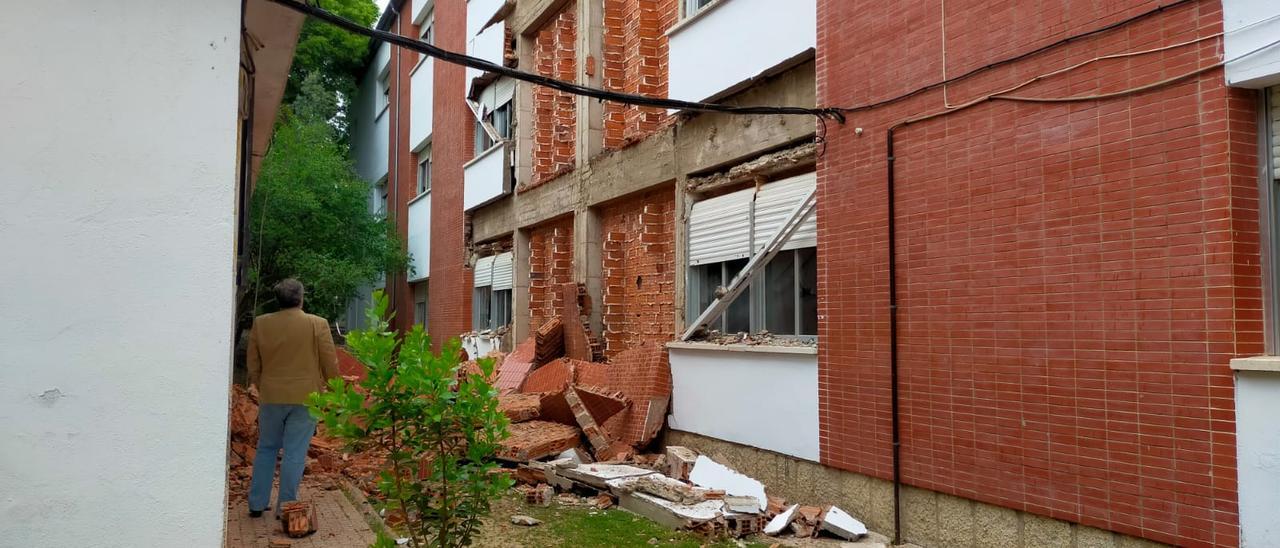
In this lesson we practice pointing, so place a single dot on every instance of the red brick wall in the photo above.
(635, 61)
(639, 278)
(554, 120)
(402, 166)
(550, 266)
(450, 299)
(1073, 278)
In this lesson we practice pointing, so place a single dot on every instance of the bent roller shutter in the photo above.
(502, 271)
(484, 271)
(1275, 131)
(775, 201)
(719, 228)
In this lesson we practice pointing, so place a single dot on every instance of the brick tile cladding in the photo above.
(639, 282)
(554, 120)
(450, 300)
(1073, 278)
(550, 266)
(635, 61)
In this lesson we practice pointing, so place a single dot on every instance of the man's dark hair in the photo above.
(289, 293)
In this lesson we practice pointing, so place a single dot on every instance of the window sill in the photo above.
(768, 349)
(424, 194)
(690, 20)
(1269, 364)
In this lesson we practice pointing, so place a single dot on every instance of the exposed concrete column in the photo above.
(523, 156)
(682, 206)
(520, 286)
(588, 261)
(588, 51)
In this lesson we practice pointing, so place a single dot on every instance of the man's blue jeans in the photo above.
(280, 426)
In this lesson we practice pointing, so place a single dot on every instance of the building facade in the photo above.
(1041, 265)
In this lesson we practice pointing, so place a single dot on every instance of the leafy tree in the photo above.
(330, 53)
(439, 425)
(310, 216)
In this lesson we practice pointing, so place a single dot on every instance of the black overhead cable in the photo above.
(567, 87)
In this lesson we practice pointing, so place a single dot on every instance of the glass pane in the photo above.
(737, 318)
(780, 294)
(703, 281)
(480, 308)
(808, 279)
(501, 308)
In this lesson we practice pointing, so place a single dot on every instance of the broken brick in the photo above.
(537, 439)
(515, 368)
(599, 441)
(549, 341)
(680, 462)
(298, 518)
(520, 407)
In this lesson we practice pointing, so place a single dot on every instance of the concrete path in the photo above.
(342, 525)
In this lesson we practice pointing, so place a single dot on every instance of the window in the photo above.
(424, 171)
(1269, 192)
(692, 7)
(427, 31)
(723, 234)
(381, 192)
(420, 313)
(384, 91)
(500, 118)
(491, 298)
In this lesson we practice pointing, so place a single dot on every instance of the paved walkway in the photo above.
(341, 524)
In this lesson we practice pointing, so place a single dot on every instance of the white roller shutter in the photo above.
(775, 201)
(502, 271)
(484, 271)
(496, 94)
(719, 228)
(1275, 131)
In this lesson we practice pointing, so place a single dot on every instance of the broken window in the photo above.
(491, 298)
(723, 234)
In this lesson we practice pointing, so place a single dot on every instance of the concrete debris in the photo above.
(841, 524)
(781, 521)
(660, 486)
(576, 455)
(764, 167)
(671, 514)
(711, 474)
(762, 338)
(680, 462)
(537, 439)
(739, 504)
(527, 521)
(598, 475)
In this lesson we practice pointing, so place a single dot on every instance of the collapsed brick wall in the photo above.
(638, 236)
(635, 61)
(550, 267)
(554, 112)
(1073, 279)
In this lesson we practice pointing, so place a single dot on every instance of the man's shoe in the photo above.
(258, 513)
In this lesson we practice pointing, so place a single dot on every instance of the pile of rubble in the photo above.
(680, 489)
(327, 460)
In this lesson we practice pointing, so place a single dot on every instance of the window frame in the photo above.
(1269, 222)
(690, 8)
(384, 91)
(756, 294)
(423, 184)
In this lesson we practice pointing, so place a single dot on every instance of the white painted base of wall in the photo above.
(1258, 449)
(757, 396)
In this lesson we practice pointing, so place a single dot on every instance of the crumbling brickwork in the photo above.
(1073, 278)
(638, 236)
(554, 117)
(550, 267)
(635, 61)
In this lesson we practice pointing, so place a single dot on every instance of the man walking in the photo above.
(290, 356)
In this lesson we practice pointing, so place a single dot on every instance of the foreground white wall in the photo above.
(117, 197)
(733, 41)
(1258, 449)
(748, 395)
(420, 236)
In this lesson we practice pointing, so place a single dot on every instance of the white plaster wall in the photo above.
(762, 399)
(117, 223)
(1251, 24)
(370, 132)
(421, 94)
(483, 178)
(420, 236)
(420, 9)
(1258, 449)
(736, 40)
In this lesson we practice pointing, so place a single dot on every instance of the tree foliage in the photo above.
(439, 426)
(333, 55)
(310, 216)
